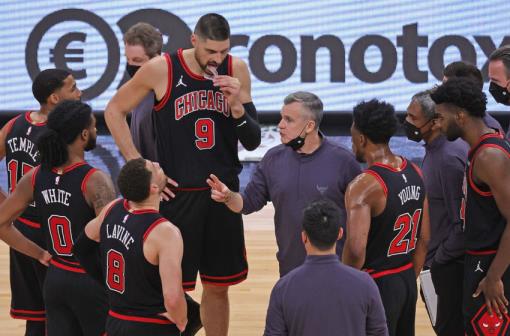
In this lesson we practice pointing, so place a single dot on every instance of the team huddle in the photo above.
(352, 239)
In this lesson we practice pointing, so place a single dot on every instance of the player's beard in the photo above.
(453, 131)
(91, 144)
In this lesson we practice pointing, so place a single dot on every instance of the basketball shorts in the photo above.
(477, 320)
(213, 239)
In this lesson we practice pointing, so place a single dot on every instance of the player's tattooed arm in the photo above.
(99, 191)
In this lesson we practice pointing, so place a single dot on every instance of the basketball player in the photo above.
(460, 107)
(142, 42)
(387, 216)
(198, 125)
(18, 145)
(141, 255)
(68, 193)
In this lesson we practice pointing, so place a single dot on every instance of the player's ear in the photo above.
(340, 233)
(53, 99)
(304, 237)
(85, 134)
(194, 40)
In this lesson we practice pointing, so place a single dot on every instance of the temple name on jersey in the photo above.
(120, 233)
(54, 195)
(409, 193)
(20, 144)
(201, 100)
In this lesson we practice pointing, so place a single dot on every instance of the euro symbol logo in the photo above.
(61, 55)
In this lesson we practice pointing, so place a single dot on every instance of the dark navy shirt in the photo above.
(443, 172)
(292, 181)
(142, 128)
(324, 297)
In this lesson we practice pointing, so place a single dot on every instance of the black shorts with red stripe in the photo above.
(213, 239)
(119, 324)
(27, 277)
(75, 303)
(398, 293)
(477, 320)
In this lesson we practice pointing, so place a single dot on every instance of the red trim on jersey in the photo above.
(152, 226)
(224, 277)
(223, 284)
(189, 286)
(377, 275)
(111, 207)
(85, 180)
(496, 134)
(486, 252)
(9, 124)
(139, 318)
(29, 119)
(29, 223)
(36, 169)
(165, 98)
(69, 168)
(23, 311)
(470, 171)
(26, 316)
(230, 70)
(403, 165)
(187, 69)
(68, 261)
(65, 267)
(138, 212)
(379, 179)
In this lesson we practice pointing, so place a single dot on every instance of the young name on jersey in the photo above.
(201, 100)
(409, 193)
(21, 144)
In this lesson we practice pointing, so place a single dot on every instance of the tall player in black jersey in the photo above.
(68, 193)
(198, 123)
(141, 255)
(460, 107)
(18, 145)
(387, 215)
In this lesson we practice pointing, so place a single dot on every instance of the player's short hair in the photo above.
(462, 93)
(312, 104)
(427, 105)
(147, 36)
(134, 180)
(65, 123)
(213, 26)
(321, 223)
(47, 82)
(376, 120)
(464, 70)
(502, 54)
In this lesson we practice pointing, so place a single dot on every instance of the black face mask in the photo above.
(413, 132)
(132, 69)
(297, 142)
(500, 94)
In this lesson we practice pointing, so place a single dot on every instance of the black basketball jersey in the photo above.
(483, 222)
(134, 284)
(63, 210)
(195, 134)
(392, 234)
(21, 155)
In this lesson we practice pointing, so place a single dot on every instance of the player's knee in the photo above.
(218, 291)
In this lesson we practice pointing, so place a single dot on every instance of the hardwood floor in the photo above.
(248, 300)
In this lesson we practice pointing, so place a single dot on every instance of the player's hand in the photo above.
(167, 193)
(219, 191)
(494, 293)
(45, 258)
(230, 86)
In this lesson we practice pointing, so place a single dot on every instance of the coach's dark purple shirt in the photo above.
(292, 181)
(492, 122)
(142, 128)
(443, 171)
(324, 297)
